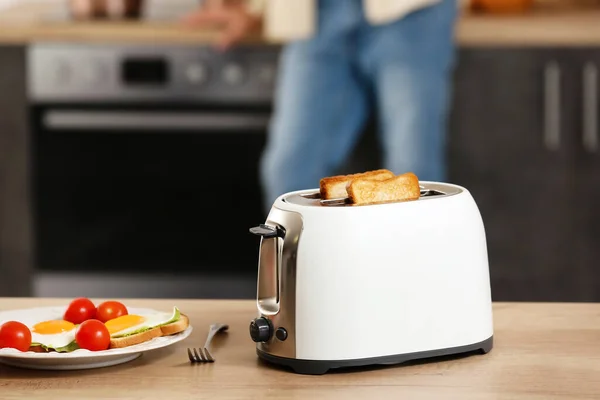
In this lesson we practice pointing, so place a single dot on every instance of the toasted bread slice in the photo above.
(334, 187)
(138, 338)
(176, 327)
(38, 349)
(399, 188)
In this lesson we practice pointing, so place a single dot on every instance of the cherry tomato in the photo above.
(110, 310)
(15, 335)
(79, 310)
(92, 335)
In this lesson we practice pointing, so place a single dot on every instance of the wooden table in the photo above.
(542, 351)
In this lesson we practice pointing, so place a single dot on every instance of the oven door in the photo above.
(143, 189)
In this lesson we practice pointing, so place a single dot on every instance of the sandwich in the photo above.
(125, 332)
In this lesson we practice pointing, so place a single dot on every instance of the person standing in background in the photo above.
(340, 58)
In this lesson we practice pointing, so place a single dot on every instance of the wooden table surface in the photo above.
(542, 351)
(25, 22)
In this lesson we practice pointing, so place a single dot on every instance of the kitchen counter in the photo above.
(541, 27)
(541, 351)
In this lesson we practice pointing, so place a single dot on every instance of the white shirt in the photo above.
(296, 19)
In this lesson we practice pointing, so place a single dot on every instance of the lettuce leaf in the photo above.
(68, 348)
(65, 349)
(174, 318)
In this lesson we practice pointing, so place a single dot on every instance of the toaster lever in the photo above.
(267, 231)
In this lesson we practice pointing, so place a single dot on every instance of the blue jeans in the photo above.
(328, 83)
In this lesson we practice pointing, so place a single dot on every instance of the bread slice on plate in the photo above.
(131, 340)
(180, 324)
(176, 327)
(38, 349)
(399, 188)
(334, 187)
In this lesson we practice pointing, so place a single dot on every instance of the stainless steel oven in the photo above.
(145, 168)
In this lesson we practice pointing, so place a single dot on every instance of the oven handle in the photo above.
(151, 121)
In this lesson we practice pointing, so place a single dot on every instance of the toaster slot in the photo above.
(336, 202)
(345, 201)
(431, 193)
(312, 196)
(428, 190)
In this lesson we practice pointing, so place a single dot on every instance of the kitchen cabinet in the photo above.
(586, 210)
(521, 143)
(16, 260)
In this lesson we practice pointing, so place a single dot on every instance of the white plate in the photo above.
(78, 359)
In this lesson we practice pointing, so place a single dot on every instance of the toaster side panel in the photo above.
(278, 307)
(392, 279)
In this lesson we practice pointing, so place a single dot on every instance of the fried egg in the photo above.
(53, 334)
(135, 323)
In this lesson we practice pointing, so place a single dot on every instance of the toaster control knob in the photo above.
(281, 334)
(261, 329)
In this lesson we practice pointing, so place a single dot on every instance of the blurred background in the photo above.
(129, 149)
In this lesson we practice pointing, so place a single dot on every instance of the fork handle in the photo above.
(212, 332)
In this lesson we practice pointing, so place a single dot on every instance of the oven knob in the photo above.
(261, 329)
(233, 74)
(196, 73)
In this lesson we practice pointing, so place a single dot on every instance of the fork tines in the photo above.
(202, 355)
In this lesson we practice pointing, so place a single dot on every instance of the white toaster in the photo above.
(344, 285)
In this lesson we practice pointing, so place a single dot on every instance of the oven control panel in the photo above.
(74, 72)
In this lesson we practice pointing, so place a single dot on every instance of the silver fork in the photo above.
(202, 355)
